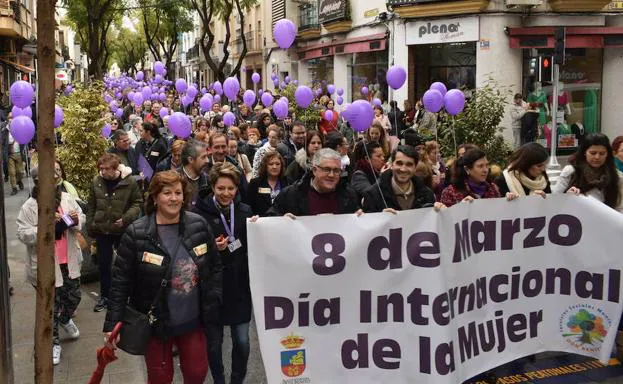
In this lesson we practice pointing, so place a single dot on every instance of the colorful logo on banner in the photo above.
(584, 327)
(293, 359)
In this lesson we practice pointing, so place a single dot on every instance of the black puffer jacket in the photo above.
(138, 281)
(373, 201)
(293, 199)
(236, 305)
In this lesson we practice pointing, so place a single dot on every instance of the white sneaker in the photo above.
(71, 329)
(56, 354)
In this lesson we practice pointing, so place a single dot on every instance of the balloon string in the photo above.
(376, 180)
(453, 133)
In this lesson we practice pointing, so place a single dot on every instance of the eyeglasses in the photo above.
(329, 170)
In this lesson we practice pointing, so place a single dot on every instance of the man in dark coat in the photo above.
(319, 191)
(295, 140)
(398, 189)
(122, 148)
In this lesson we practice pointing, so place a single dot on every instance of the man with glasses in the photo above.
(318, 192)
(294, 141)
(122, 148)
(219, 153)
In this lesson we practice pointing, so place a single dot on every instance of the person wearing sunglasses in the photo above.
(320, 191)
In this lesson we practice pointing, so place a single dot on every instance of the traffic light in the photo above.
(546, 73)
(559, 45)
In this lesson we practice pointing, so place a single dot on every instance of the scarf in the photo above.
(478, 188)
(595, 177)
(516, 181)
(619, 164)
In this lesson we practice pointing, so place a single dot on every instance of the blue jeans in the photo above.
(239, 353)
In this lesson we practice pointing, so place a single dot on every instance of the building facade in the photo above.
(17, 28)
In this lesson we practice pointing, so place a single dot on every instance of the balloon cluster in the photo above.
(22, 127)
(438, 97)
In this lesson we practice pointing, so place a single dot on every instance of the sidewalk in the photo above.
(78, 360)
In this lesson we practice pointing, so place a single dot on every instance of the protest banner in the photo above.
(434, 297)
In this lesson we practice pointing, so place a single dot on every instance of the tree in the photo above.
(161, 24)
(221, 11)
(129, 49)
(91, 20)
(478, 124)
(81, 133)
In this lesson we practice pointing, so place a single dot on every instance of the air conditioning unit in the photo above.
(523, 3)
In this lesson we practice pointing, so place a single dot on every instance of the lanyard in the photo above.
(229, 229)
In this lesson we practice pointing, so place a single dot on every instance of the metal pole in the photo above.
(553, 160)
(6, 344)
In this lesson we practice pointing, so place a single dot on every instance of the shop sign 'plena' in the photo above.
(331, 10)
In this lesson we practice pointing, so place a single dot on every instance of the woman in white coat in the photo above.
(593, 173)
(67, 257)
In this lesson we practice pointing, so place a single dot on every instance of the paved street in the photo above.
(78, 357)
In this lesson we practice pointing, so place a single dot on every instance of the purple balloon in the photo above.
(140, 75)
(303, 96)
(164, 112)
(181, 86)
(59, 116)
(107, 98)
(260, 92)
(295, 82)
(340, 91)
(287, 80)
(249, 98)
(158, 79)
(364, 90)
(204, 90)
(106, 130)
(138, 98)
(119, 112)
(16, 111)
(217, 98)
(284, 33)
(180, 125)
(186, 100)
(21, 94)
(396, 77)
(331, 89)
(192, 91)
(159, 68)
(229, 118)
(377, 101)
(22, 129)
(280, 108)
(146, 91)
(350, 112)
(206, 102)
(454, 101)
(362, 121)
(255, 78)
(267, 99)
(162, 96)
(439, 86)
(218, 87)
(328, 115)
(433, 100)
(273, 76)
(118, 95)
(340, 100)
(231, 87)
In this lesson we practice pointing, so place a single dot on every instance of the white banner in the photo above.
(441, 31)
(427, 297)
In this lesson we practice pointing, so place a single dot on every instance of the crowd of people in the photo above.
(177, 207)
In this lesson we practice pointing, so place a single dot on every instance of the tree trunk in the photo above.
(46, 53)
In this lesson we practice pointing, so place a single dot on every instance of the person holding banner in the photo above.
(592, 172)
(469, 180)
(172, 248)
(320, 191)
(526, 173)
(228, 221)
(398, 189)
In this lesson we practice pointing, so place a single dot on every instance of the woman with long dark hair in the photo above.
(264, 189)
(302, 160)
(592, 172)
(469, 180)
(370, 163)
(526, 173)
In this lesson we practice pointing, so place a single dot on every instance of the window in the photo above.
(369, 69)
(308, 16)
(279, 10)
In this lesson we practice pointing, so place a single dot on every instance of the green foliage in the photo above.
(310, 116)
(129, 49)
(478, 124)
(83, 143)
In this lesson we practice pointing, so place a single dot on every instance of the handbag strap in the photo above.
(165, 278)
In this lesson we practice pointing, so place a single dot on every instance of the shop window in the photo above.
(369, 69)
(579, 97)
(321, 72)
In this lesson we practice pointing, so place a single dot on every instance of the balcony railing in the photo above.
(254, 41)
(308, 17)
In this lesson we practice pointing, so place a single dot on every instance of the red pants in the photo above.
(193, 355)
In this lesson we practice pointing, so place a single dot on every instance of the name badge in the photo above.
(201, 250)
(234, 245)
(152, 258)
(263, 190)
(154, 153)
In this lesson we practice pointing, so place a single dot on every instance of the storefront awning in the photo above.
(377, 42)
(16, 66)
(577, 37)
